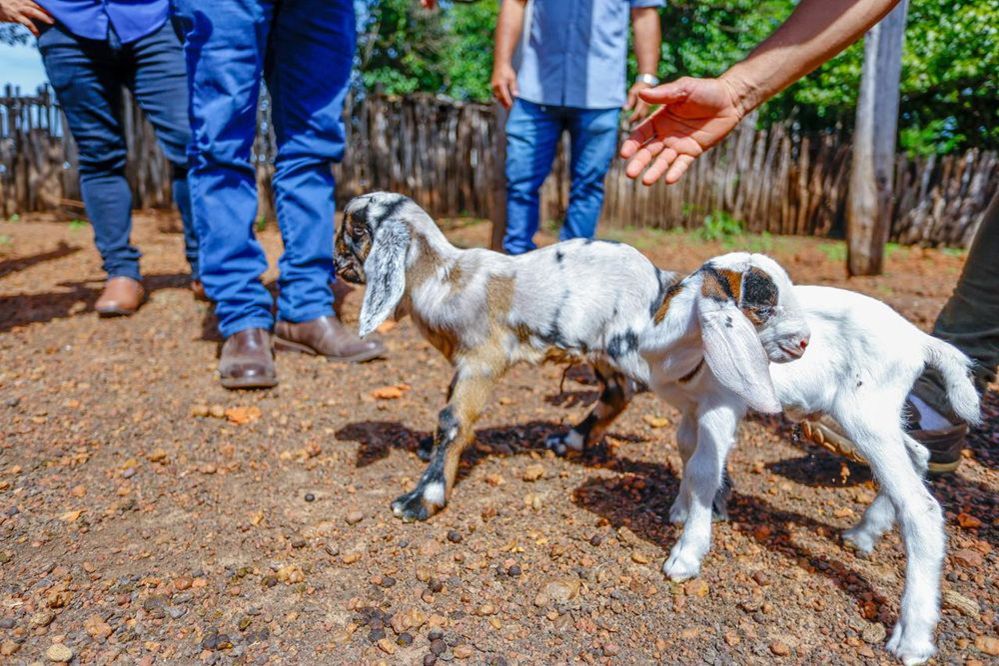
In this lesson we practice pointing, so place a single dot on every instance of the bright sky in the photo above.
(22, 66)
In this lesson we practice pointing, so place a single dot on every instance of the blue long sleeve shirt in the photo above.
(91, 19)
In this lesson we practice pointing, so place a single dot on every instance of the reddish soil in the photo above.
(146, 514)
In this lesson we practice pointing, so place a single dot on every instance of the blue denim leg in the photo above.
(532, 135)
(308, 73)
(87, 76)
(593, 143)
(158, 79)
(224, 46)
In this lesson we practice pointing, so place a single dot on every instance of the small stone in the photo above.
(438, 646)
(960, 603)
(435, 635)
(967, 557)
(454, 536)
(462, 652)
(429, 659)
(596, 540)
(97, 627)
(514, 570)
(354, 517)
(639, 557)
(611, 649)
(309, 497)
(182, 582)
(695, 588)
(988, 644)
(780, 649)
(59, 653)
(533, 472)
(560, 591)
(874, 633)
(176, 612)
(332, 549)
(405, 639)
(386, 646)
(41, 619)
(9, 647)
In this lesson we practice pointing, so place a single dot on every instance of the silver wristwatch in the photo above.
(650, 79)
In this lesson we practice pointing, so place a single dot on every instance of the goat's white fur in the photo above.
(861, 362)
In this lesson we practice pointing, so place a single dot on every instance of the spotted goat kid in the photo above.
(579, 300)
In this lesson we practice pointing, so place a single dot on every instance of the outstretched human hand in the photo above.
(25, 12)
(695, 115)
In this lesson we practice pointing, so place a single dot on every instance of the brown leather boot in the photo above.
(121, 297)
(326, 336)
(247, 360)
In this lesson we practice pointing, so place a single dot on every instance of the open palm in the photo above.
(695, 115)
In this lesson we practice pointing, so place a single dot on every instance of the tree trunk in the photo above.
(870, 202)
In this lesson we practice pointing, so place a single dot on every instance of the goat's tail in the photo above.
(955, 368)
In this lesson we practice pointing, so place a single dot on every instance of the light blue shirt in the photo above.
(576, 53)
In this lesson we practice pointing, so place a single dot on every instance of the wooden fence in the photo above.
(448, 156)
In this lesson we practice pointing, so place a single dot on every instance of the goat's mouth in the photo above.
(349, 272)
(790, 350)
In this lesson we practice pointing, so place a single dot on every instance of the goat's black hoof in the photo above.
(413, 506)
(425, 448)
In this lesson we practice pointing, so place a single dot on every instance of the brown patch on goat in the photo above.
(664, 306)
(721, 284)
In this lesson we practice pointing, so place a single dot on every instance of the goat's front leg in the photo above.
(702, 478)
(614, 397)
(471, 388)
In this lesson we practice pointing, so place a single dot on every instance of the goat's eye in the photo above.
(357, 232)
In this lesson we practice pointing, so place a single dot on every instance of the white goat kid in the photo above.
(861, 362)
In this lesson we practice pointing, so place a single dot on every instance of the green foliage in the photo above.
(76, 225)
(403, 48)
(6, 239)
(720, 226)
(834, 251)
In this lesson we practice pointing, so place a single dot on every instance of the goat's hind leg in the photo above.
(921, 521)
(880, 515)
(471, 390)
(615, 395)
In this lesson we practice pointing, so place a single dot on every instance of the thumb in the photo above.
(669, 93)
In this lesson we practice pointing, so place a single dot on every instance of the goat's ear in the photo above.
(733, 352)
(385, 276)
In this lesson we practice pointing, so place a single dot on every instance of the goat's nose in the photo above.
(804, 343)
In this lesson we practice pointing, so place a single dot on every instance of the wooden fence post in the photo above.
(869, 205)
(498, 212)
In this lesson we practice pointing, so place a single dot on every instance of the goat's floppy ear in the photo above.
(734, 354)
(385, 276)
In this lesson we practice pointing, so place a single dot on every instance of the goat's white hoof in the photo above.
(678, 512)
(681, 566)
(910, 650)
(860, 540)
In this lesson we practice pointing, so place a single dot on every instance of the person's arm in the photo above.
(648, 44)
(25, 12)
(508, 30)
(698, 113)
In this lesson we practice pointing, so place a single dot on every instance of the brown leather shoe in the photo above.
(121, 297)
(247, 360)
(198, 289)
(326, 336)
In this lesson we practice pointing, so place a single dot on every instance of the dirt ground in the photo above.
(148, 515)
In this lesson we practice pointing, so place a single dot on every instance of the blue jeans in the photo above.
(533, 132)
(87, 76)
(304, 50)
